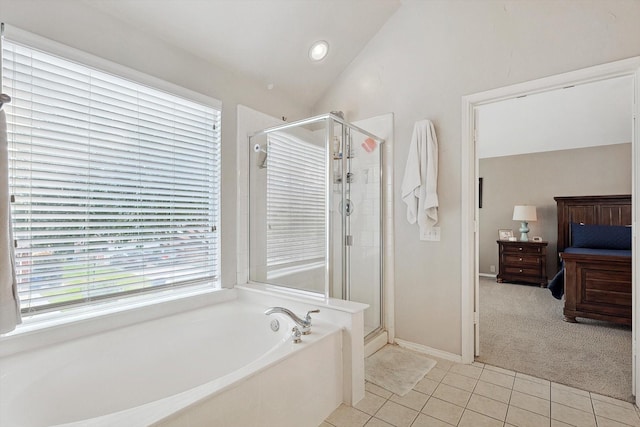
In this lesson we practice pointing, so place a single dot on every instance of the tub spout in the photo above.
(305, 324)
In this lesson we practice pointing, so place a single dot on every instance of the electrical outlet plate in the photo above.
(430, 234)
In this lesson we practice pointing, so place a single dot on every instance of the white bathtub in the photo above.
(217, 365)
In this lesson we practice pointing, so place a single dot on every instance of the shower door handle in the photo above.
(348, 241)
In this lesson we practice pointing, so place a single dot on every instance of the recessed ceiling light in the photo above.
(319, 50)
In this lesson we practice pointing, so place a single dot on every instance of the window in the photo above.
(114, 185)
(295, 202)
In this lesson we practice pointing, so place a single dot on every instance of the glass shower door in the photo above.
(357, 196)
(315, 212)
(287, 209)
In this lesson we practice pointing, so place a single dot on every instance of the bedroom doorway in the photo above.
(470, 193)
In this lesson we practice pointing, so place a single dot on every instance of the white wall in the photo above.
(420, 64)
(72, 23)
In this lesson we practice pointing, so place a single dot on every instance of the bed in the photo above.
(594, 245)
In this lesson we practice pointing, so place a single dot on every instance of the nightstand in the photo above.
(524, 262)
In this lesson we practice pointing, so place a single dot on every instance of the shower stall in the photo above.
(315, 211)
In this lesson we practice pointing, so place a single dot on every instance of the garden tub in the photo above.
(217, 365)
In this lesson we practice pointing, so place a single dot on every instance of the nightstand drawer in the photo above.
(521, 260)
(522, 249)
(521, 271)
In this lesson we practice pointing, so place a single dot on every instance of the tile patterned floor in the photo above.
(480, 395)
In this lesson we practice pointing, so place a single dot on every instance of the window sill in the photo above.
(50, 329)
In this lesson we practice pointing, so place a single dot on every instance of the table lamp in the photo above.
(524, 214)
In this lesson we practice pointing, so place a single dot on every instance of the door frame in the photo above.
(469, 190)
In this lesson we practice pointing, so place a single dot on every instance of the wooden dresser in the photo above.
(522, 262)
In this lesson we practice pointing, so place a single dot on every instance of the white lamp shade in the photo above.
(524, 213)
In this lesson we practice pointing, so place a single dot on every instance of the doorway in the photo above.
(470, 194)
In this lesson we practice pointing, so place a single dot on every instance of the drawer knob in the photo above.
(520, 270)
(519, 249)
(520, 259)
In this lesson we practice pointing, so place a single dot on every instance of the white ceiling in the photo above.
(581, 116)
(267, 40)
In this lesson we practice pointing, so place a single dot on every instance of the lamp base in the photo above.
(524, 229)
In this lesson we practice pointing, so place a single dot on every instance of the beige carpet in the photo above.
(396, 369)
(521, 329)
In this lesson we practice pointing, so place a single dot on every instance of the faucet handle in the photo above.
(308, 316)
(296, 335)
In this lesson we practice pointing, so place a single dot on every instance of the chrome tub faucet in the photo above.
(304, 324)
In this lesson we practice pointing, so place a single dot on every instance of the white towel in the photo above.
(9, 306)
(420, 183)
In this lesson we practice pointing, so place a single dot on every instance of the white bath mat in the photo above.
(396, 369)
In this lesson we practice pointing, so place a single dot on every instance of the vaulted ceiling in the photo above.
(267, 40)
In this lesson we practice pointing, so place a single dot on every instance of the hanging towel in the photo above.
(9, 305)
(420, 183)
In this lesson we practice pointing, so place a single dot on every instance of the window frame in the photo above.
(159, 294)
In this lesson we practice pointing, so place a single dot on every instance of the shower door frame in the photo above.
(331, 119)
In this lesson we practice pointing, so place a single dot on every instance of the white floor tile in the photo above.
(489, 407)
(467, 370)
(612, 401)
(479, 395)
(460, 381)
(569, 389)
(444, 411)
(572, 416)
(492, 391)
(500, 370)
(473, 419)
(374, 422)
(572, 399)
(346, 416)
(426, 421)
(436, 374)
(451, 394)
(426, 386)
(605, 422)
(497, 378)
(371, 403)
(616, 413)
(414, 400)
(377, 390)
(543, 391)
(534, 379)
(523, 418)
(530, 403)
(396, 415)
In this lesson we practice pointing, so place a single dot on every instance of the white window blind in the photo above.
(295, 201)
(115, 185)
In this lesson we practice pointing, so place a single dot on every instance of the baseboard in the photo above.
(491, 276)
(429, 351)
